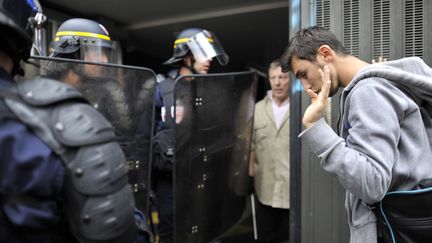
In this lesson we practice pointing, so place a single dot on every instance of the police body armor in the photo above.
(98, 205)
(164, 140)
(124, 96)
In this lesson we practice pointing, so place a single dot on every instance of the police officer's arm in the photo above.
(149, 121)
(28, 169)
(143, 136)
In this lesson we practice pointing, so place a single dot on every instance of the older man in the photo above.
(270, 157)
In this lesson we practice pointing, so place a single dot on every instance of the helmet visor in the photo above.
(98, 50)
(205, 46)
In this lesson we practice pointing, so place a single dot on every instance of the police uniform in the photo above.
(61, 171)
(163, 164)
(92, 197)
(31, 180)
(202, 46)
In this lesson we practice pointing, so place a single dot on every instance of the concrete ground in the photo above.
(243, 231)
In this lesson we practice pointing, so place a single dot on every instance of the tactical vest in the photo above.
(98, 204)
(164, 140)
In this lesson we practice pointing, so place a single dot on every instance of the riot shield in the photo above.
(213, 116)
(124, 95)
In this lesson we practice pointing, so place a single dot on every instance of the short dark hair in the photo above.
(306, 42)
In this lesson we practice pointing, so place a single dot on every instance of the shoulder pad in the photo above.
(79, 124)
(99, 169)
(173, 73)
(160, 78)
(43, 91)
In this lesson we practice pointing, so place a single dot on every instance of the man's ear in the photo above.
(326, 52)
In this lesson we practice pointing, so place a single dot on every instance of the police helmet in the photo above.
(15, 27)
(86, 40)
(202, 43)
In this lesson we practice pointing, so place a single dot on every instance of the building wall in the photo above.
(369, 29)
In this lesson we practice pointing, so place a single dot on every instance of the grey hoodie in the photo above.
(385, 139)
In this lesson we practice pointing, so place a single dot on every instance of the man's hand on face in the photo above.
(318, 100)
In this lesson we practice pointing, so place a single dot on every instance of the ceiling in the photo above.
(252, 32)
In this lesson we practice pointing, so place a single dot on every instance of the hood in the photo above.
(412, 73)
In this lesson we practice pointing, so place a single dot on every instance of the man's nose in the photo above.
(305, 84)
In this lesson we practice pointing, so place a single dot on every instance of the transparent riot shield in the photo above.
(124, 95)
(214, 116)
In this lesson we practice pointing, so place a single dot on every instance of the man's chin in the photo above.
(280, 97)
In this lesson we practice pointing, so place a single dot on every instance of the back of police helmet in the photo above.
(15, 28)
(84, 39)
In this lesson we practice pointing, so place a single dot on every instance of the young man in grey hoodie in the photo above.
(386, 126)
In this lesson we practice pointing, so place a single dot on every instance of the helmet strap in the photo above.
(191, 66)
(191, 69)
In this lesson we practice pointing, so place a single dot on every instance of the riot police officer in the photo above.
(120, 93)
(62, 175)
(194, 51)
(117, 92)
(86, 40)
(89, 41)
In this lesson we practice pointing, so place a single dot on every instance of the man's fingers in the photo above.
(311, 94)
(325, 78)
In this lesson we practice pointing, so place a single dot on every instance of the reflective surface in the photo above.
(123, 94)
(212, 152)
